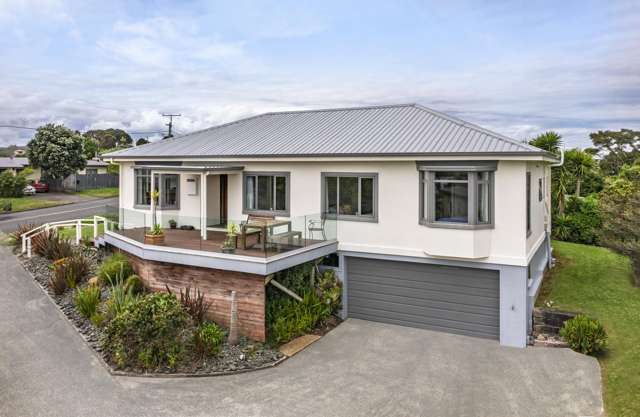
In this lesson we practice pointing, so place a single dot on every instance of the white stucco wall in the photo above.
(397, 230)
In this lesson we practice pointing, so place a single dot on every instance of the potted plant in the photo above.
(173, 224)
(155, 236)
(230, 243)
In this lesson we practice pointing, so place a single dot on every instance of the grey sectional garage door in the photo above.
(450, 299)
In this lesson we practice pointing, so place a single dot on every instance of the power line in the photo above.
(170, 124)
(151, 132)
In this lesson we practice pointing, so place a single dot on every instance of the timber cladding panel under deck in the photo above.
(216, 285)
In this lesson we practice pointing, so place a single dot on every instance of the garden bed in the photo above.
(245, 356)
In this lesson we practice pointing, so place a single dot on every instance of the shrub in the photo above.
(209, 338)
(152, 332)
(78, 266)
(119, 300)
(195, 305)
(12, 185)
(49, 245)
(58, 279)
(97, 319)
(581, 221)
(87, 300)
(287, 318)
(6, 205)
(15, 237)
(134, 284)
(329, 290)
(115, 267)
(584, 334)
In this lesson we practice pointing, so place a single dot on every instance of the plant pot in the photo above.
(173, 226)
(154, 239)
(228, 250)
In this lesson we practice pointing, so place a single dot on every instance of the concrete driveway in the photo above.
(359, 369)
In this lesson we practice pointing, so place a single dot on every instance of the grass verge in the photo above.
(101, 192)
(30, 203)
(599, 283)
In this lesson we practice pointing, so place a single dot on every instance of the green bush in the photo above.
(6, 205)
(97, 318)
(584, 335)
(329, 290)
(581, 221)
(114, 268)
(87, 300)
(120, 299)
(288, 318)
(13, 185)
(134, 284)
(152, 332)
(209, 338)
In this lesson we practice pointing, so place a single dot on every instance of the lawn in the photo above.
(598, 282)
(87, 231)
(101, 192)
(30, 203)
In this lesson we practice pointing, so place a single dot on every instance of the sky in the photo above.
(519, 68)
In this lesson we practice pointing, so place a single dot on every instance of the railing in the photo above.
(210, 234)
(78, 224)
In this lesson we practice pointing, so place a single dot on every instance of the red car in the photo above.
(41, 187)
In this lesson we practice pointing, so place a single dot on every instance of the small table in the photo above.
(263, 225)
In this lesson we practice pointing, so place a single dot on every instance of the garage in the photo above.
(445, 298)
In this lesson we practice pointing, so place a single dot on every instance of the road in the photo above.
(9, 222)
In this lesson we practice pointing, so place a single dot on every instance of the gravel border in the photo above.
(91, 335)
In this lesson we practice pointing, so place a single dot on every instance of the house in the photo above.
(17, 164)
(10, 164)
(94, 166)
(433, 222)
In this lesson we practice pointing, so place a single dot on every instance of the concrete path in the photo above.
(9, 222)
(359, 369)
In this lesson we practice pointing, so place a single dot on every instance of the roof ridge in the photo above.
(474, 126)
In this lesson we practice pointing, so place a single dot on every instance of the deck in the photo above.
(191, 239)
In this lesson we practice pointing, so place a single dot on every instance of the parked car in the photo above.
(41, 187)
(29, 190)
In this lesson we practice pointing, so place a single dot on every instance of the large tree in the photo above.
(110, 138)
(57, 150)
(620, 206)
(142, 141)
(579, 164)
(616, 148)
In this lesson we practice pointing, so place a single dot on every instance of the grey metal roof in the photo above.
(96, 163)
(10, 163)
(406, 129)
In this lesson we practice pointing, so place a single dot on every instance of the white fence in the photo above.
(78, 224)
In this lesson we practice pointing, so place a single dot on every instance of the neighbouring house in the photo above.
(433, 222)
(17, 164)
(94, 166)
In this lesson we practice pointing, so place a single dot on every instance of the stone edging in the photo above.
(116, 372)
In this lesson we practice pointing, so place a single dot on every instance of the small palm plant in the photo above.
(229, 245)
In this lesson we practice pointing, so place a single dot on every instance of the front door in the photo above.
(223, 199)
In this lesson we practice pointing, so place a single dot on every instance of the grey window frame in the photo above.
(161, 204)
(426, 183)
(281, 213)
(349, 217)
(94, 171)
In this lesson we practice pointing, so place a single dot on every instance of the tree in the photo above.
(110, 138)
(548, 141)
(57, 150)
(578, 164)
(142, 141)
(89, 147)
(616, 149)
(620, 206)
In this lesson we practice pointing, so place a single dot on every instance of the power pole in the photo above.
(170, 124)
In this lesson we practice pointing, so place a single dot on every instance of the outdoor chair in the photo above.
(317, 226)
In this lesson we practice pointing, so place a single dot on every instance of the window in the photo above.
(266, 192)
(350, 196)
(91, 171)
(142, 187)
(456, 194)
(528, 191)
(540, 189)
(167, 184)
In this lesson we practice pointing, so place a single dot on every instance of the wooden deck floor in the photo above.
(190, 239)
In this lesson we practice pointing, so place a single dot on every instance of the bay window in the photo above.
(456, 194)
(266, 192)
(350, 196)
